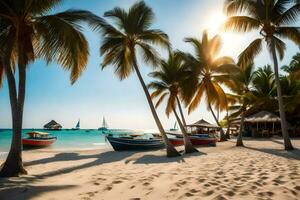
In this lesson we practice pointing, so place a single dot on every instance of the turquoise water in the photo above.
(66, 139)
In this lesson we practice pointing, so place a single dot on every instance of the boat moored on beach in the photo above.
(133, 143)
(196, 141)
(38, 139)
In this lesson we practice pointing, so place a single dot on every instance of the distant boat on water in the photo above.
(104, 127)
(77, 127)
(174, 128)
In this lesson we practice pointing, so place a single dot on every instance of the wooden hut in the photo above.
(202, 127)
(261, 124)
(52, 125)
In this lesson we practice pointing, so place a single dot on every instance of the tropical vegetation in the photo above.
(28, 33)
(274, 21)
(167, 84)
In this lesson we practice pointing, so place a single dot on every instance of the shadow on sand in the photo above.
(28, 191)
(155, 159)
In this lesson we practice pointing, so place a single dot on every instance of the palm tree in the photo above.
(27, 33)
(208, 72)
(271, 19)
(121, 42)
(293, 68)
(241, 99)
(167, 85)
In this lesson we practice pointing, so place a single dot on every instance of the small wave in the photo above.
(99, 144)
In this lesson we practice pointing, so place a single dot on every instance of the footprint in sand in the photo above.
(146, 184)
(297, 188)
(230, 193)
(208, 193)
(201, 180)
(117, 182)
(133, 186)
(96, 183)
(188, 194)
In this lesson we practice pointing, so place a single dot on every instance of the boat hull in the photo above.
(196, 141)
(129, 144)
(29, 142)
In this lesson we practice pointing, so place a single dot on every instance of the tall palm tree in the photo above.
(241, 99)
(272, 19)
(208, 72)
(129, 34)
(27, 33)
(167, 85)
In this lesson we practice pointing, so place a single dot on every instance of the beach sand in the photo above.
(262, 170)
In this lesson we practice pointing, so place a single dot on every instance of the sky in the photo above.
(98, 93)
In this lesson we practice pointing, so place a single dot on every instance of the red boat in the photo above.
(38, 139)
(196, 141)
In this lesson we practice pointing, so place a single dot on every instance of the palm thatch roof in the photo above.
(52, 125)
(262, 116)
(203, 124)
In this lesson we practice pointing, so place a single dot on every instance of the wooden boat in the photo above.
(38, 139)
(196, 141)
(130, 143)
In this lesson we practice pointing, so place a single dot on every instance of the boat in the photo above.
(77, 127)
(196, 141)
(174, 128)
(104, 127)
(38, 139)
(132, 143)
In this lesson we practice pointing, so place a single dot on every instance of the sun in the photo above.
(215, 22)
(214, 25)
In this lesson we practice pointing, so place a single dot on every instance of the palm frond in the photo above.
(232, 7)
(241, 24)
(40, 6)
(59, 39)
(196, 100)
(155, 36)
(290, 15)
(160, 100)
(292, 33)
(248, 55)
(149, 54)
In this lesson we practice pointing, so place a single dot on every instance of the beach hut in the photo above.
(261, 124)
(202, 127)
(52, 125)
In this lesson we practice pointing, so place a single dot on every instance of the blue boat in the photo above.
(131, 143)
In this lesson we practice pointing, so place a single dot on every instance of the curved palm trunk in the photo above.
(227, 135)
(287, 142)
(239, 140)
(171, 151)
(188, 147)
(181, 112)
(222, 135)
(13, 165)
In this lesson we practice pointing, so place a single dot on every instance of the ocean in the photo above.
(66, 138)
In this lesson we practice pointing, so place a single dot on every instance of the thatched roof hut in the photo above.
(263, 116)
(203, 124)
(52, 125)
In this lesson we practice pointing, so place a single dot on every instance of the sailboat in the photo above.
(174, 128)
(77, 127)
(104, 127)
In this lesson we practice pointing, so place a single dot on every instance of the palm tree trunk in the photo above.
(171, 151)
(13, 165)
(287, 142)
(181, 112)
(227, 135)
(188, 146)
(222, 135)
(239, 140)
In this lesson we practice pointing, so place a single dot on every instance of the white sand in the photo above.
(261, 171)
